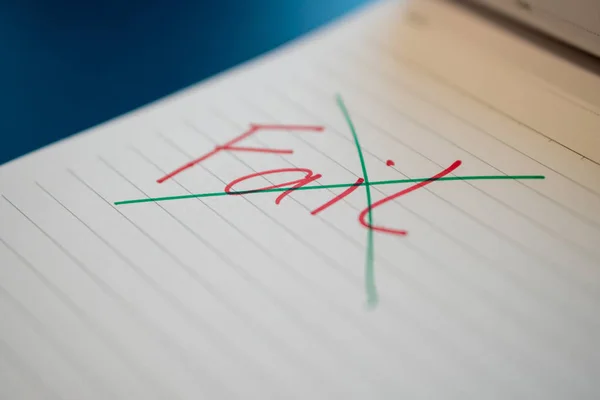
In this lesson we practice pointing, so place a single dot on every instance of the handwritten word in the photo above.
(365, 217)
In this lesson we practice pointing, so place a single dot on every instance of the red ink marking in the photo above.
(338, 197)
(230, 145)
(303, 182)
(309, 177)
(414, 187)
(188, 165)
(390, 163)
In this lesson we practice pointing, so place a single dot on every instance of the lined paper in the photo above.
(493, 292)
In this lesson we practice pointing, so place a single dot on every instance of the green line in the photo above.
(332, 186)
(371, 289)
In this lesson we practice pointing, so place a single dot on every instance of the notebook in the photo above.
(404, 204)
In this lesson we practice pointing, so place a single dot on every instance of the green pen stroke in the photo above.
(332, 186)
(370, 287)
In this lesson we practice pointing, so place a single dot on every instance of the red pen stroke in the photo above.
(339, 197)
(290, 186)
(230, 145)
(297, 183)
(389, 198)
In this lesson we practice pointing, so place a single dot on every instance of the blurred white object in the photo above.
(576, 22)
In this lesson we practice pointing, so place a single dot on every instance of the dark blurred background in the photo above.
(67, 65)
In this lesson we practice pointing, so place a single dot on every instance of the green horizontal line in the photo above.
(333, 186)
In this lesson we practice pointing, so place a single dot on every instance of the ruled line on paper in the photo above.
(358, 58)
(17, 333)
(54, 292)
(156, 243)
(184, 355)
(169, 298)
(63, 351)
(121, 353)
(80, 314)
(12, 357)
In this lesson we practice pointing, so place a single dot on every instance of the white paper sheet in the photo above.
(492, 293)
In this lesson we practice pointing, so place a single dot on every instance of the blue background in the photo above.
(67, 65)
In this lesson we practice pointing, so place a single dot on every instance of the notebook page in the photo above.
(218, 243)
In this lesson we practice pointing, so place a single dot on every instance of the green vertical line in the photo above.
(371, 289)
